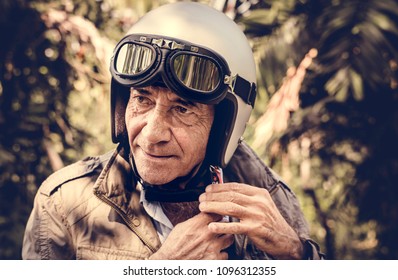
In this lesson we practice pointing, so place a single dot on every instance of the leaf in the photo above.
(382, 21)
(262, 17)
(337, 82)
(357, 85)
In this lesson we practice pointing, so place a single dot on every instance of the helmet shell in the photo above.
(205, 26)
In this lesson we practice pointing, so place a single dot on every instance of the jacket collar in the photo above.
(115, 186)
(116, 182)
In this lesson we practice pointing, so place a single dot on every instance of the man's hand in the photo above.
(259, 218)
(193, 240)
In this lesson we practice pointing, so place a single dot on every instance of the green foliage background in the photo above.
(336, 148)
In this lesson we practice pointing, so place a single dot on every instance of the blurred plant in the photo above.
(53, 90)
(335, 134)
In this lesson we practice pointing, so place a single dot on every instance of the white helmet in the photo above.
(188, 31)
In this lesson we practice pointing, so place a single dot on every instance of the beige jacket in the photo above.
(85, 211)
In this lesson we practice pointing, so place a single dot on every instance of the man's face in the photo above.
(167, 134)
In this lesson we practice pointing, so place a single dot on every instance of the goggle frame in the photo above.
(166, 50)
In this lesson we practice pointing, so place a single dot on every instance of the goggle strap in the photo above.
(167, 44)
(243, 88)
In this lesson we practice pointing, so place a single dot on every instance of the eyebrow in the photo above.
(142, 91)
(178, 100)
(186, 102)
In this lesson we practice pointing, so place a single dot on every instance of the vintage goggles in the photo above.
(193, 72)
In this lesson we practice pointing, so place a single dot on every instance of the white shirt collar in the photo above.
(155, 211)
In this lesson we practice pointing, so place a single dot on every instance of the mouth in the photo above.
(156, 156)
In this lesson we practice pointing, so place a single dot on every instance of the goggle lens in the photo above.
(196, 72)
(134, 59)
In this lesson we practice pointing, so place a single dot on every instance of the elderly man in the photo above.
(181, 184)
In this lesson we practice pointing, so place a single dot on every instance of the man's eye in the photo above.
(181, 110)
(142, 100)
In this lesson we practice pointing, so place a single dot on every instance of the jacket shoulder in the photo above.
(246, 167)
(79, 169)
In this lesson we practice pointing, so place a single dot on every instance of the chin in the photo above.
(157, 179)
(156, 182)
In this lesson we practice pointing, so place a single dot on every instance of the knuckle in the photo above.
(263, 192)
(233, 210)
(236, 187)
(232, 196)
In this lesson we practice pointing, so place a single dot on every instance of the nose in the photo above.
(157, 128)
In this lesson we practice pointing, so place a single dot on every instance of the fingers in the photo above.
(202, 219)
(225, 196)
(224, 199)
(231, 199)
(193, 239)
(233, 192)
(235, 188)
(234, 199)
(229, 228)
(224, 209)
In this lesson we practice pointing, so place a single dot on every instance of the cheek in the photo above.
(193, 141)
(132, 120)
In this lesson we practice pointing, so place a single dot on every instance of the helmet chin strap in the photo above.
(171, 192)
